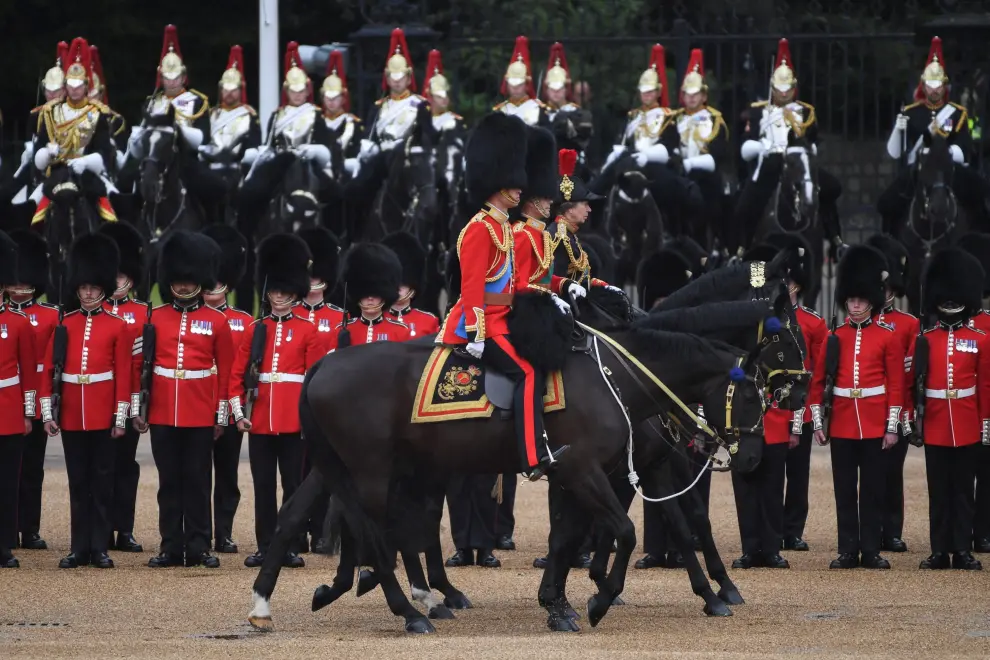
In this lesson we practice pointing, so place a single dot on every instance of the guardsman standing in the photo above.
(517, 86)
(372, 274)
(906, 327)
(127, 472)
(22, 295)
(227, 449)
(412, 256)
(953, 376)
(325, 248)
(85, 394)
(282, 347)
(190, 363)
(18, 397)
(868, 390)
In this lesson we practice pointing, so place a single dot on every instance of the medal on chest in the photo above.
(129, 318)
(201, 327)
(966, 346)
(324, 325)
(236, 325)
(34, 319)
(3, 331)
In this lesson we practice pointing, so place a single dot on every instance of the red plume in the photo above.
(566, 162)
(784, 55)
(934, 53)
(292, 58)
(521, 52)
(94, 58)
(658, 61)
(62, 57)
(79, 52)
(695, 63)
(336, 65)
(169, 42)
(434, 65)
(398, 45)
(236, 61)
(557, 54)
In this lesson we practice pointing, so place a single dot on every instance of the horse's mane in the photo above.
(682, 347)
(725, 283)
(703, 319)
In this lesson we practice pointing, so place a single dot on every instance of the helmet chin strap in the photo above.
(951, 308)
(186, 296)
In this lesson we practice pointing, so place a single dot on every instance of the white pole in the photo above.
(268, 61)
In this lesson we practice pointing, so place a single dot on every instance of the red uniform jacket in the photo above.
(420, 323)
(18, 372)
(869, 385)
(96, 381)
(326, 318)
(779, 424)
(981, 321)
(534, 252)
(192, 367)
(364, 331)
(239, 322)
(957, 387)
(43, 319)
(485, 250)
(292, 347)
(135, 315)
(906, 327)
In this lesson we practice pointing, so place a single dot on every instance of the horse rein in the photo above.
(154, 233)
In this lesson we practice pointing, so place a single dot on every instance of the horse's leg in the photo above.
(421, 590)
(565, 525)
(292, 517)
(437, 574)
(343, 581)
(694, 509)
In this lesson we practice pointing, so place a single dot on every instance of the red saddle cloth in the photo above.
(103, 207)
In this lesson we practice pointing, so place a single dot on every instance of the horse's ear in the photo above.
(778, 266)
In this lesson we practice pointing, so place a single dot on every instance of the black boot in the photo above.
(795, 543)
(582, 560)
(73, 560)
(255, 560)
(540, 562)
(487, 560)
(651, 561)
(748, 561)
(505, 542)
(33, 541)
(874, 560)
(775, 561)
(893, 544)
(675, 559)
(546, 464)
(100, 560)
(165, 560)
(845, 560)
(205, 559)
(936, 561)
(463, 557)
(292, 560)
(965, 561)
(226, 546)
(126, 543)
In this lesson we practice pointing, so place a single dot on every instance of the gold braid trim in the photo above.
(579, 267)
(718, 124)
(544, 261)
(796, 125)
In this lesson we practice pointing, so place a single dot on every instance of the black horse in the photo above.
(407, 199)
(633, 221)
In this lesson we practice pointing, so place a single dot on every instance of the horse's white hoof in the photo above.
(262, 624)
(260, 617)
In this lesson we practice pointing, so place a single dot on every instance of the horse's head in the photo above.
(577, 125)
(448, 160)
(799, 187)
(157, 149)
(934, 182)
(67, 217)
(300, 204)
(412, 185)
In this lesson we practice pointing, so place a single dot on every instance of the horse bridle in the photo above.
(925, 193)
(807, 178)
(154, 234)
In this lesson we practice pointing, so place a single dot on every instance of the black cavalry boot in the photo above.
(546, 464)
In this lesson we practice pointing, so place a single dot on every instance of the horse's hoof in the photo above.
(717, 608)
(420, 626)
(458, 602)
(440, 613)
(597, 609)
(262, 623)
(322, 597)
(730, 596)
(569, 611)
(367, 581)
(618, 601)
(562, 624)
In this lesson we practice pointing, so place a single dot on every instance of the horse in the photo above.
(407, 199)
(632, 220)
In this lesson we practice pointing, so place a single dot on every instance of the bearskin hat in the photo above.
(660, 275)
(325, 250)
(541, 164)
(411, 255)
(800, 263)
(233, 253)
(32, 260)
(8, 260)
(283, 264)
(953, 275)
(131, 246)
(761, 252)
(978, 245)
(371, 269)
(495, 156)
(186, 256)
(93, 259)
(601, 256)
(691, 252)
(861, 275)
(897, 261)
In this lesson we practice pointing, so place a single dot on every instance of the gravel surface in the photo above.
(807, 611)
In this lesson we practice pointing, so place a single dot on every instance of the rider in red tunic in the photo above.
(412, 256)
(496, 173)
(371, 276)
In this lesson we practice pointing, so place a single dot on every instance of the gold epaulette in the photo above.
(499, 106)
(102, 107)
(808, 310)
(759, 104)
(381, 100)
(912, 105)
(354, 117)
(518, 227)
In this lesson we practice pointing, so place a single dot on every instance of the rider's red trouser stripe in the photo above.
(529, 387)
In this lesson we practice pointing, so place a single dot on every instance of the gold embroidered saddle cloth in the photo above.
(455, 385)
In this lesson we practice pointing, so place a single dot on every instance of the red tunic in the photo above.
(293, 346)
(192, 367)
(906, 327)
(957, 387)
(96, 380)
(239, 321)
(326, 318)
(420, 323)
(485, 250)
(981, 321)
(869, 385)
(18, 371)
(43, 319)
(368, 332)
(534, 252)
(135, 315)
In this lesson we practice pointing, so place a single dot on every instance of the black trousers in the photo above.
(713, 209)
(271, 454)
(528, 410)
(656, 540)
(473, 511)
(858, 464)
(226, 495)
(950, 472)
(895, 200)
(981, 523)
(505, 521)
(126, 474)
(32, 479)
(798, 472)
(89, 463)
(893, 500)
(184, 458)
(11, 447)
(760, 502)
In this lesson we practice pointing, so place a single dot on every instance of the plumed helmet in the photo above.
(978, 245)
(570, 188)
(799, 265)
(861, 274)
(371, 270)
(233, 253)
(131, 246)
(953, 275)
(495, 156)
(283, 264)
(32, 260)
(8, 260)
(660, 275)
(411, 255)
(541, 164)
(187, 256)
(325, 250)
(898, 261)
(93, 259)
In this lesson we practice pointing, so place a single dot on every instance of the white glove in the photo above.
(776, 115)
(121, 159)
(575, 290)
(641, 159)
(617, 150)
(91, 162)
(957, 154)
(208, 149)
(561, 304)
(476, 348)
(368, 149)
(53, 149)
(42, 158)
(77, 165)
(250, 155)
(317, 153)
(901, 122)
(389, 145)
(686, 163)
(352, 166)
(657, 154)
(27, 153)
(752, 149)
(192, 136)
(704, 162)
(134, 141)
